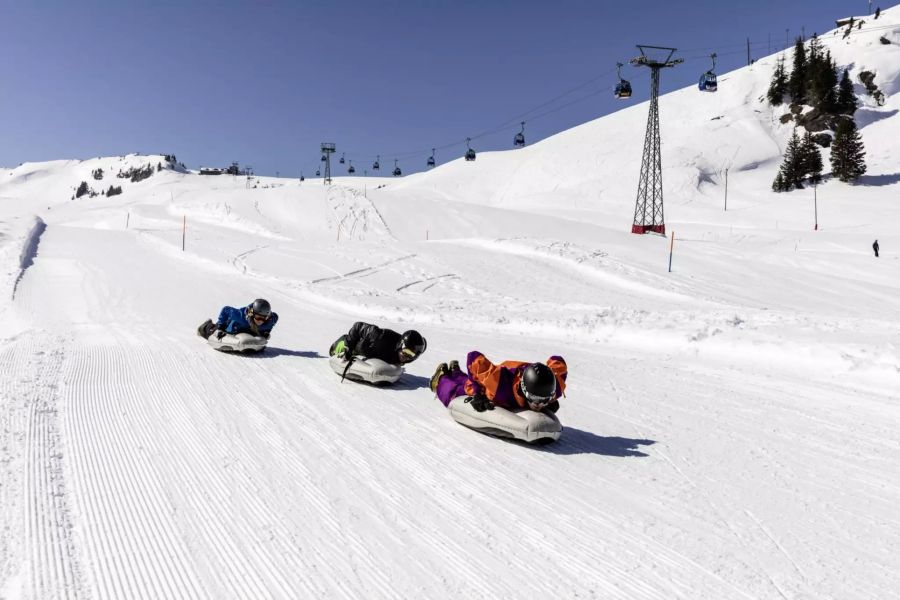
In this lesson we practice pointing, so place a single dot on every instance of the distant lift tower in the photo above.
(327, 151)
(648, 211)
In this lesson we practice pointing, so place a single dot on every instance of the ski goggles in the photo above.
(408, 355)
(259, 318)
(535, 402)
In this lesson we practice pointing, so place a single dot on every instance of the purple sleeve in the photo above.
(472, 357)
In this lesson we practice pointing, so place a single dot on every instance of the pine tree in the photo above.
(848, 155)
(814, 67)
(779, 85)
(810, 159)
(846, 98)
(792, 168)
(797, 80)
(826, 84)
(778, 184)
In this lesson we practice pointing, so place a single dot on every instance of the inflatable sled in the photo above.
(369, 370)
(239, 342)
(525, 425)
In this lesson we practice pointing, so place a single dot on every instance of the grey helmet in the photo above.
(260, 307)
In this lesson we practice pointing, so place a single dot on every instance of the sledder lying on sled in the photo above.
(513, 399)
(244, 329)
(374, 355)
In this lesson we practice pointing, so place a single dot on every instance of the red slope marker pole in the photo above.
(671, 248)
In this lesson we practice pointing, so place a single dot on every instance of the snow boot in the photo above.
(436, 378)
(206, 329)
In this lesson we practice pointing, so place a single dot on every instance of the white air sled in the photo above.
(369, 370)
(239, 342)
(525, 425)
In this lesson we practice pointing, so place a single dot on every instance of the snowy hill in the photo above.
(731, 427)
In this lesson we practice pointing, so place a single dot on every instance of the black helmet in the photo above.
(411, 345)
(261, 307)
(538, 385)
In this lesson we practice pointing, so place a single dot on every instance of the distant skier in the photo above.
(371, 341)
(256, 319)
(875, 247)
(511, 384)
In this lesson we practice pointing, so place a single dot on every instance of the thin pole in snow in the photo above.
(726, 189)
(671, 248)
(816, 206)
(183, 230)
(127, 219)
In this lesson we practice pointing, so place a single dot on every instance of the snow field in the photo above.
(730, 427)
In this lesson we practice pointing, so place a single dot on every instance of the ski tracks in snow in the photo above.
(357, 217)
(38, 553)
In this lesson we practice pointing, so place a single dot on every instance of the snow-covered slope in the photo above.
(730, 427)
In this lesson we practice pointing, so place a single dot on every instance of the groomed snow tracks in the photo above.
(40, 539)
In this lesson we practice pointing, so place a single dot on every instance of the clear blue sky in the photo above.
(265, 82)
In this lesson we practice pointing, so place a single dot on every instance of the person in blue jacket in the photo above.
(256, 319)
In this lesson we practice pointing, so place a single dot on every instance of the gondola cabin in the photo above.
(623, 90)
(708, 82)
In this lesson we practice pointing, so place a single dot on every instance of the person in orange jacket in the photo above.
(512, 384)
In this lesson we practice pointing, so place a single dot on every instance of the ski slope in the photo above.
(731, 427)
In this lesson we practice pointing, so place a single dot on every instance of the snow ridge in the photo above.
(29, 250)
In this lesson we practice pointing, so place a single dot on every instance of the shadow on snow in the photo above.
(879, 180)
(578, 441)
(272, 352)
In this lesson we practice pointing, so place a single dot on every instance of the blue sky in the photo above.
(263, 83)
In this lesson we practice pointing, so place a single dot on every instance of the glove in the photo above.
(552, 407)
(220, 333)
(480, 403)
(345, 353)
(265, 334)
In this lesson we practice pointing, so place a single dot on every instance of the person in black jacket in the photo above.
(370, 341)
(875, 248)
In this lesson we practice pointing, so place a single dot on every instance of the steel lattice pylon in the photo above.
(327, 150)
(648, 210)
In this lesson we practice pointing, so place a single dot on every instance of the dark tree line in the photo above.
(802, 161)
(136, 174)
(813, 81)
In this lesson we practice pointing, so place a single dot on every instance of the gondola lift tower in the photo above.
(327, 150)
(648, 210)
